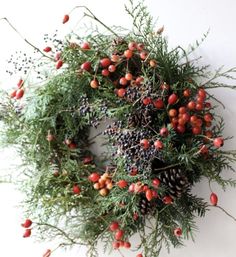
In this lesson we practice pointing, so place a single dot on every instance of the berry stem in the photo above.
(36, 48)
(222, 209)
(91, 15)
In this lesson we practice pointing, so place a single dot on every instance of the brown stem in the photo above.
(91, 15)
(222, 209)
(33, 46)
(58, 229)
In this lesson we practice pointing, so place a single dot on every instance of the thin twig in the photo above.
(91, 15)
(26, 40)
(222, 209)
(60, 230)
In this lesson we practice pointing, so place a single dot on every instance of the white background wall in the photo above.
(185, 21)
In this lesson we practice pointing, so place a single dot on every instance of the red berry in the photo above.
(172, 112)
(112, 68)
(27, 223)
(86, 66)
(145, 188)
(178, 232)
(200, 100)
(132, 188)
(105, 62)
(27, 233)
(149, 194)
(154, 194)
(213, 199)
(199, 106)
(59, 64)
(145, 143)
(85, 46)
(147, 100)
(114, 226)
(158, 145)
(116, 245)
(139, 255)
(20, 83)
(218, 142)
(94, 177)
(173, 98)
(132, 46)
(121, 92)
(207, 105)
(191, 105)
(139, 81)
(156, 182)
(202, 93)
(128, 54)
(128, 76)
(87, 159)
(122, 183)
(119, 234)
(186, 117)
(123, 81)
(143, 55)
(180, 128)
(204, 149)
(105, 72)
(164, 86)
(65, 18)
(208, 117)
(167, 200)
(182, 109)
(76, 189)
(72, 146)
(94, 84)
(47, 253)
(158, 103)
(127, 245)
(19, 93)
(47, 49)
(13, 93)
(187, 93)
(196, 130)
(164, 132)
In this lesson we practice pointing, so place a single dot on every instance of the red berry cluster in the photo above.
(118, 236)
(102, 183)
(27, 224)
(19, 92)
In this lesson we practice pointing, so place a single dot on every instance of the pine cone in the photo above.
(174, 178)
(140, 118)
(175, 181)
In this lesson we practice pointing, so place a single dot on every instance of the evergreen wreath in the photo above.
(162, 132)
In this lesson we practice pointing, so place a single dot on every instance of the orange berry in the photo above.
(172, 112)
(128, 54)
(104, 192)
(115, 58)
(121, 92)
(94, 84)
(153, 63)
(128, 76)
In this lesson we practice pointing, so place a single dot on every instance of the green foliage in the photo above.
(51, 130)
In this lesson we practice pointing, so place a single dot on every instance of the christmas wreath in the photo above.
(154, 111)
